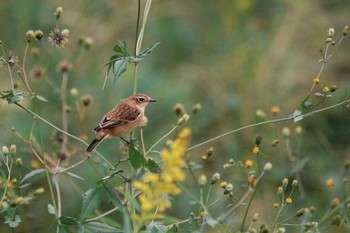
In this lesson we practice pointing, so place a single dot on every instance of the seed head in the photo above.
(215, 178)
(58, 38)
(58, 12)
(295, 183)
(196, 108)
(202, 180)
(346, 30)
(30, 35)
(86, 100)
(183, 119)
(258, 139)
(330, 32)
(179, 109)
(38, 34)
(267, 166)
(19, 162)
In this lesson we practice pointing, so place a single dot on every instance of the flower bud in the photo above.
(302, 212)
(19, 162)
(215, 178)
(5, 150)
(74, 92)
(30, 35)
(285, 182)
(38, 34)
(179, 109)
(267, 166)
(289, 200)
(258, 139)
(86, 100)
(331, 32)
(210, 151)
(295, 183)
(334, 203)
(196, 108)
(285, 131)
(13, 149)
(346, 30)
(202, 180)
(58, 12)
(183, 119)
(275, 142)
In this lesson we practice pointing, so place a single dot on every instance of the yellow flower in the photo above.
(316, 80)
(249, 163)
(275, 110)
(35, 164)
(255, 150)
(275, 205)
(329, 182)
(289, 200)
(325, 90)
(156, 188)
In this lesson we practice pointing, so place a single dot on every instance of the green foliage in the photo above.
(142, 187)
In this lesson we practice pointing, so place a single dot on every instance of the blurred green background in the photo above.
(232, 57)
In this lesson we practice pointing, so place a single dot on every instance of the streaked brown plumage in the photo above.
(122, 119)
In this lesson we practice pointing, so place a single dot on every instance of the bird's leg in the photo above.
(126, 141)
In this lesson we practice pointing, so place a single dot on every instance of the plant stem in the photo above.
(64, 132)
(161, 139)
(64, 112)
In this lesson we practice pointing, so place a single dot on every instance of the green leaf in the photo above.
(121, 49)
(109, 195)
(136, 158)
(152, 166)
(173, 229)
(99, 227)
(147, 51)
(68, 221)
(155, 227)
(31, 174)
(119, 67)
(91, 200)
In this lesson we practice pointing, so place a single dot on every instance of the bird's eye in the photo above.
(140, 100)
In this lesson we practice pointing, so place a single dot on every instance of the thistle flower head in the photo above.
(58, 38)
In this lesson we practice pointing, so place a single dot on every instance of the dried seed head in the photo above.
(58, 12)
(346, 30)
(38, 34)
(330, 32)
(30, 35)
(179, 109)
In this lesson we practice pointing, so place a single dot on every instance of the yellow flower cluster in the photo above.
(156, 188)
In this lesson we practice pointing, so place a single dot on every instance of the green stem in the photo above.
(291, 117)
(251, 199)
(64, 132)
(137, 24)
(161, 139)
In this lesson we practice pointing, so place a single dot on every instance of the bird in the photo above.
(122, 119)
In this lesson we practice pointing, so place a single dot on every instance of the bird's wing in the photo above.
(118, 117)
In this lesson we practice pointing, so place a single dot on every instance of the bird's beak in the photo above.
(152, 100)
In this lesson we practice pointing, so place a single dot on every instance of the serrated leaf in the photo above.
(68, 221)
(91, 200)
(31, 174)
(51, 209)
(119, 67)
(147, 51)
(152, 166)
(136, 158)
(100, 227)
(108, 195)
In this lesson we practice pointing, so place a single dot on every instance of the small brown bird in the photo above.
(122, 119)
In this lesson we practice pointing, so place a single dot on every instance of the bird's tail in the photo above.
(93, 144)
